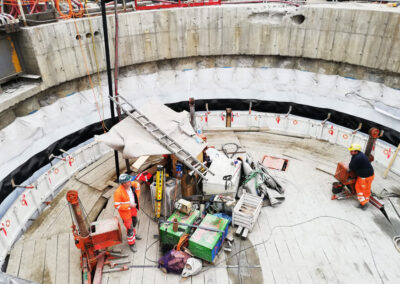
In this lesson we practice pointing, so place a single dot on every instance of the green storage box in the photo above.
(206, 244)
(167, 234)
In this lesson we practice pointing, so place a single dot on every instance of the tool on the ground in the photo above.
(163, 138)
(115, 264)
(345, 187)
(93, 240)
(116, 269)
(183, 206)
(192, 226)
(159, 191)
(126, 267)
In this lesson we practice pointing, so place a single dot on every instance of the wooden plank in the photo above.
(39, 260)
(75, 271)
(103, 171)
(41, 226)
(50, 265)
(98, 163)
(108, 212)
(62, 269)
(136, 274)
(139, 162)
(96, 209)
(197, 279)
(244, 273)
(53, 220)
(233, 260)
(256, 237)
(271, 250)
(152, 250)
(27, 259)
(15, 258)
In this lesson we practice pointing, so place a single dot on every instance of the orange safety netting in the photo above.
(73, 12)
(65, 8)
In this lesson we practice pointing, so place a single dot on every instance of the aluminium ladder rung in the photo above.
(181, 153)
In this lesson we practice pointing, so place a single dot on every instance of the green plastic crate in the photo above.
(167, 234)
(206, 244)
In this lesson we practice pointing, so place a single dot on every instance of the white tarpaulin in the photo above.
(132, 140)
(33, 133)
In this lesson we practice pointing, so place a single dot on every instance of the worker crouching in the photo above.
(126, 200)
(361, 165)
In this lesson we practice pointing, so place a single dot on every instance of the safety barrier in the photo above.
(291, 124)
(34, 199)
(164, 4)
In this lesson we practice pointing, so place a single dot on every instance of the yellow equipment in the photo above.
(160, 176)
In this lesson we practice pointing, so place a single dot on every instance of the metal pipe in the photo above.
(116, 69)
(193, 226)
(326, 119)
(110, 92)
(358, 128)
(109, 8)
(373, 135)
(72, 198)
(116, 60)
(228, 117)
(21, 10)
(290, 110)
(192, 113)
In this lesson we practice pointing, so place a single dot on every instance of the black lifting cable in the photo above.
(223, 148)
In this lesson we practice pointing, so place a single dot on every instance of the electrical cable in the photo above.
(99, 90)
(302, 223)
(396, 239)
(147, 249)
(90, 78)
(226, 152)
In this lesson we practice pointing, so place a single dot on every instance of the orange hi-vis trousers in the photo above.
(363, 189)
(130, 225)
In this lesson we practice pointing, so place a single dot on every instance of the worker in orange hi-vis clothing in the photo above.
(126, 200)
(361, 165)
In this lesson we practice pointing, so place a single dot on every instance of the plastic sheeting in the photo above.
(26, 143)
(132, 140)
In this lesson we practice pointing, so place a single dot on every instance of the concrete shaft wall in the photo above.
(64, 51)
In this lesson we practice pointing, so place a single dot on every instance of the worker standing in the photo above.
(126, 200)
(361, 165)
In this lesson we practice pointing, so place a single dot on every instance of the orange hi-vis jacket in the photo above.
(122, 202)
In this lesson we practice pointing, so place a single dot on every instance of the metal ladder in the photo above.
(184, 156)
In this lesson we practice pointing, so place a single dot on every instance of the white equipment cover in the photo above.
(223, 167)
(132, 140)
